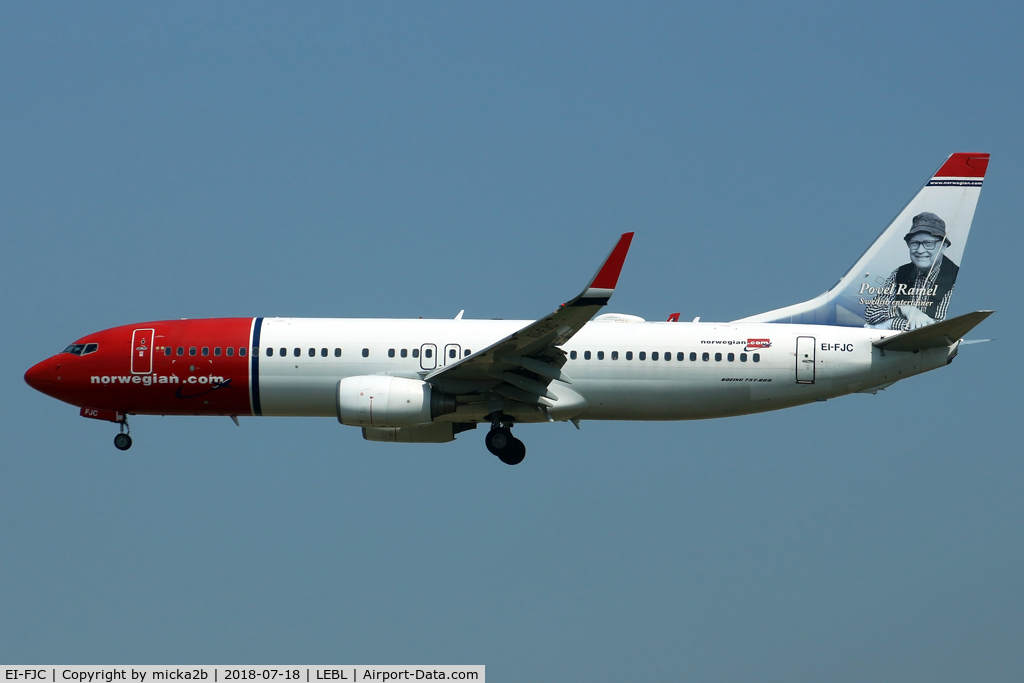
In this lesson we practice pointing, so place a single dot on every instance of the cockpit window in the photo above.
(82, 349)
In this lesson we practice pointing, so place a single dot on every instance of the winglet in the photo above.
(608, 274)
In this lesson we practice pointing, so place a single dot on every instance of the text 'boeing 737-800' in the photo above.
(424, 381)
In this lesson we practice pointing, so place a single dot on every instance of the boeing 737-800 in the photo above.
(420, 381)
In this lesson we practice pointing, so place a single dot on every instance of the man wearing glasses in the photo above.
(917, 293)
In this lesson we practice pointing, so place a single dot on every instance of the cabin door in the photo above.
(805, 360)
(142, 352)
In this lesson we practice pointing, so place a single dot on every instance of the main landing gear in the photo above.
(500, 442)
(123, 441)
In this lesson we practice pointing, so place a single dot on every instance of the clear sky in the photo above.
(167, 160)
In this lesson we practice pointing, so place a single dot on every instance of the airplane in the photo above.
(425, 381)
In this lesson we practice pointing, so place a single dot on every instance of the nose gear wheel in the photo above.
(123, 441)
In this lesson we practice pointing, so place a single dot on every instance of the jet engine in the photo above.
(387, 401)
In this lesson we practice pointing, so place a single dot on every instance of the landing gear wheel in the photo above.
(509, 449)
(122, 442)
(498, 440)
(514, 453)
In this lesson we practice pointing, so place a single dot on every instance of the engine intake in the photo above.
(387, 401)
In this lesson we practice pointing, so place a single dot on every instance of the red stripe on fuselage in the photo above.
(177, 385)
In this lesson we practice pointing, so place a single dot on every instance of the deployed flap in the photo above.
(538, 340)
(945, 333)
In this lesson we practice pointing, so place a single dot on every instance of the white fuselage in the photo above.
(726, 368)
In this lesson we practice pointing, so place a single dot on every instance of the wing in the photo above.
(520, 366)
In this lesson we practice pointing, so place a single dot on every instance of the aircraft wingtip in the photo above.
(608, 275)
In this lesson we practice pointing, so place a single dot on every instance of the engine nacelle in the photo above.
(387, 401)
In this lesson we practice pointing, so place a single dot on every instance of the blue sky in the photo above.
(187, 160)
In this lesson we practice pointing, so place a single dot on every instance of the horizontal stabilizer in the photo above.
(945, 333)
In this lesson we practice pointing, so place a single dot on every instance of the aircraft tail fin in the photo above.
(905, 278)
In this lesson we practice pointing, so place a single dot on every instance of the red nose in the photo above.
(41, 376)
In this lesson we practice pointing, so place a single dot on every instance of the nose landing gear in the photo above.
(123, 441)
(500, 442)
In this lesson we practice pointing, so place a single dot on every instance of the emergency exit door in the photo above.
(142, 352)
(428, 356)
(805, 360)
(452, 353)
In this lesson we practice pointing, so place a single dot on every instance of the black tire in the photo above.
(514, 453)
(498, 440)
(122, 442)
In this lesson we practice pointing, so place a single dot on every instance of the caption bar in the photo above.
(219, 674)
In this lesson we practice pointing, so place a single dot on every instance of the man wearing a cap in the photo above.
(917, 293)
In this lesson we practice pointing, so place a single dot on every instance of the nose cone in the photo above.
(42, 376)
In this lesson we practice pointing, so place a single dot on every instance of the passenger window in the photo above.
(405, 353)
(467, 352)
(629, 355)
(705, 356)
(429, 353)
(191, 350)
(743, 358)
(337, 353)
(586, 355)
(600, 355)
(615, 355)
(693, 355)
(312, 352)
(572, 355)
(731, 357)
(451, 353)
(415, 353)
(718, 357)
(206, 350)
(216, 350)
(296, 351)
(270, 351)
(757, 358)
(643, 355)
(255, 350)
(680, 356)
(366, 353)
(230, 351)
(180, 351)
(654, 355)
(323, 352)
(391, 353)
(167, 350)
